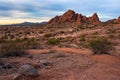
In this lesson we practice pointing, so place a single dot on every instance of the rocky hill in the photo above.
(78, 19)
(114, 21)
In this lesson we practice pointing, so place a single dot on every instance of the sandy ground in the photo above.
(67, 64)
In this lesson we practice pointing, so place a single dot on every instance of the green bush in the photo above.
(100, 46)
(48, 35)
(82, 38)
(53, 41)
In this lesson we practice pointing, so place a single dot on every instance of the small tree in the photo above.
(100, 45)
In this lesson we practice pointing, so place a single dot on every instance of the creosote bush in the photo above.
(100, 45)
(82, 38)
(53, 41)
(48, 35)
(17, 47)
(11, 49)
(111, 36)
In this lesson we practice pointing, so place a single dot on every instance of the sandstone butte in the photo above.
(78, 19)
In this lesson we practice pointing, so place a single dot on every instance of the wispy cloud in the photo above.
(39, 10)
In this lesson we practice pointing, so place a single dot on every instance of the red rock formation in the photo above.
(68, 16)
(54, 20)
(71, 17)
(94, 19)
(79, 19)
(113, 21)
(117, 20)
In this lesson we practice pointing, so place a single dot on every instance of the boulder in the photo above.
(26, 70)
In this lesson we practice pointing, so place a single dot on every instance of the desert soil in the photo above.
(66, 64)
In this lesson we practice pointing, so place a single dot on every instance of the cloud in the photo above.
(37, 9)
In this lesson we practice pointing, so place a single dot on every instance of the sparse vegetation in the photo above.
(111, 36)
(53, 41)
(82, 38)
(40, 32)
(95, 33)
(111, 30)
(52, 51)
(81, 27)
(100, 45)
(119, 35)
(11, 49)
(17, 47)
(48, 35)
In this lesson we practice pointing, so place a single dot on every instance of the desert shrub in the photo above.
(48, 35)
(111, 36)
(100, 45)
(66, 39)
(111, 30)
(12, 36)
(82, 38)
(41, 31)
(53, 41)
(2, 41)
(52, 51)
(4, 37)
(17, 47)
(91, 26)
(118, 36)
(27, 32)
(81, 27)
(32, 44)
(11, 49)
(96, 33)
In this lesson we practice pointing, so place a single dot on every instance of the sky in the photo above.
(17, 11)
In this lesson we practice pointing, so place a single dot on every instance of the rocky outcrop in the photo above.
(68, 16)
(113, 21)
(26, 70)
(117, 20)
(71, 17)
(54, 20)
(94, 19)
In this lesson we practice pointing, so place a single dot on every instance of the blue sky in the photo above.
(16, 11)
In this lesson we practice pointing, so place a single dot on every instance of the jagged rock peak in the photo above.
(69, 12)
(71, 17)
(95, 19)
(117, 20)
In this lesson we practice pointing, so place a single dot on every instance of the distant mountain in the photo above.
(27, 24)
